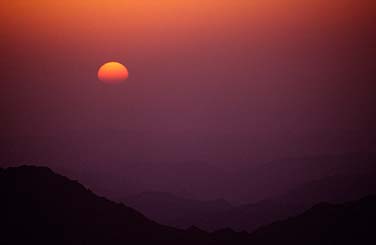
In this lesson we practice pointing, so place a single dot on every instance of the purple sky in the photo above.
(213, 95)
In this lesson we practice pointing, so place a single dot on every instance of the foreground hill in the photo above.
(41, 207)
(349, 223)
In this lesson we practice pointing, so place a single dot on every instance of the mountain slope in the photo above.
(349, 223)
(41, 207)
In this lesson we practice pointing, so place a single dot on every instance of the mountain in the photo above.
(349, 223)
(334, 189)
(335, 179)
(172, 210)
(41, 207)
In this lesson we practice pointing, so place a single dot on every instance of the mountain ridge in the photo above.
(42, 207)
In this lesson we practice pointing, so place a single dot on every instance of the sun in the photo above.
(113, 72)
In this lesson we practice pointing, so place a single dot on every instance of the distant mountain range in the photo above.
(334, 189)
(41, 207)
(170, 209)
(179, 212)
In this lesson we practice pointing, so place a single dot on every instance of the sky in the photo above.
(216, 89)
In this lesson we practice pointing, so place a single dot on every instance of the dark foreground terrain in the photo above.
(41, 207)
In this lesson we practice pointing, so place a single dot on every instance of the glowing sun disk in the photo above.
(113, 72)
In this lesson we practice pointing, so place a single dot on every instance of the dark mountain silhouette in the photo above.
(41, 207)
(349, 223)
(170, 209)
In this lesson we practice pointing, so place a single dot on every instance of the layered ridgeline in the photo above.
(41, 207)
(308, 181)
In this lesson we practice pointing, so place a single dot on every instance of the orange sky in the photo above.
(137, 22)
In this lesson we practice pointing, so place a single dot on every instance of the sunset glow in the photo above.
(112, 72)
(215, 90)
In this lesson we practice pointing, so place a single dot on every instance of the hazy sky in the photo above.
(216, 88)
